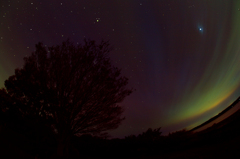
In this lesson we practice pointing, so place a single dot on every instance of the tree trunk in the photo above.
(63, 149)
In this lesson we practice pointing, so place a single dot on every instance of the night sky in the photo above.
(181, 56)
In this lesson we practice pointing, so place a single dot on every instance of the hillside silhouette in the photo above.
(213, 119)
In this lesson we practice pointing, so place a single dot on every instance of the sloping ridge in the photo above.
(219, 115)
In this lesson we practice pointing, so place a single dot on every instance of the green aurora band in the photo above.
(219, 86)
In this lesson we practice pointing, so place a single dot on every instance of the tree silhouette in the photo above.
(74, 88)
(150, 134)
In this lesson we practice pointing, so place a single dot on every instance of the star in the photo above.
(200, 29)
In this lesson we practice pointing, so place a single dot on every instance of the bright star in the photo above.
(200, 29)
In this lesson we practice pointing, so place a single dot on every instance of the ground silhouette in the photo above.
(219, 141)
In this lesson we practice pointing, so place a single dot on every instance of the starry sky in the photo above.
(181, 56)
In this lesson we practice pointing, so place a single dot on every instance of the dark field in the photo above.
(222, 140)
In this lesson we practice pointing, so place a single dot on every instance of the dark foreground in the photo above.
(222, 140)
